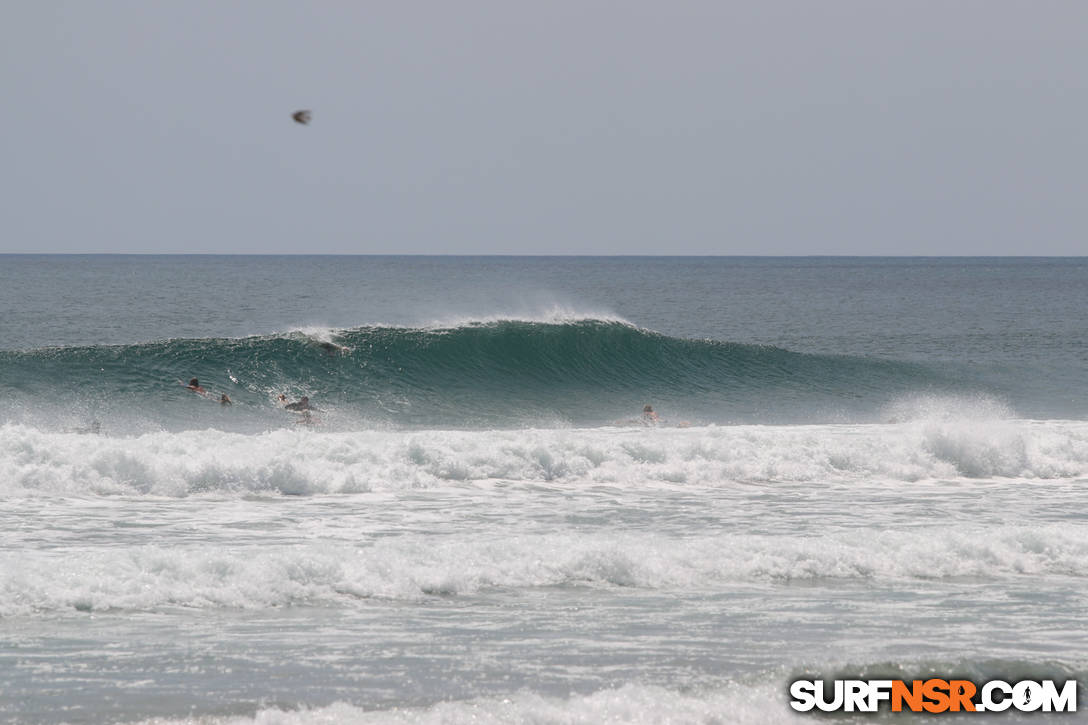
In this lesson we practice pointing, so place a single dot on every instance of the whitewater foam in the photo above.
(940, 408)
(732, 703)
(303, 462)
(548, 315)
(299, 570)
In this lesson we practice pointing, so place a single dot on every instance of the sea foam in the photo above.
(732, 703)
(304, 462)
(349, 567)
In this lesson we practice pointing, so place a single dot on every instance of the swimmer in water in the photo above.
(649, 417)
(194, 385)
(303, 404)
(224, 399)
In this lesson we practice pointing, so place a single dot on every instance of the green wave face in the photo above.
(494, 374)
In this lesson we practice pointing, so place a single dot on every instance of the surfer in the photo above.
(224, 399)
(303, 404)
(649, 417)
(194, 385)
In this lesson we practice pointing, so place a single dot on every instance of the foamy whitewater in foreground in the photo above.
(475, 527)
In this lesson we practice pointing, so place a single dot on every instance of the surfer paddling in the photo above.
(303, 407)
(194, 386)
(302, 404)
(649, 417)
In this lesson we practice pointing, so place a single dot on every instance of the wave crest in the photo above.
(479, 373)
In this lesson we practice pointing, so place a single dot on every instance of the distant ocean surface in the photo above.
(863, 467)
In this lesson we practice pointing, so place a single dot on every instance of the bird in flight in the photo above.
(302, 117)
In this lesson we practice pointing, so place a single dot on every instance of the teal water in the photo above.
(863, 466)
(505, 373)
(482, 342)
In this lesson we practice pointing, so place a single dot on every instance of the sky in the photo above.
(950, 127)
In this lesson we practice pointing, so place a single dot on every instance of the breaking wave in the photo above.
(304, 462)
(494, 373)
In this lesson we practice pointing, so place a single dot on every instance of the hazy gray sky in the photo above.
(564, 127)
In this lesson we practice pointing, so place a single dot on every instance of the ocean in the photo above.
(862, 468)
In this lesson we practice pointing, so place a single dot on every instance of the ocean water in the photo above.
(864, 467)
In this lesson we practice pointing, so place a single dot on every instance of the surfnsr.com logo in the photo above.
(933, 696)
